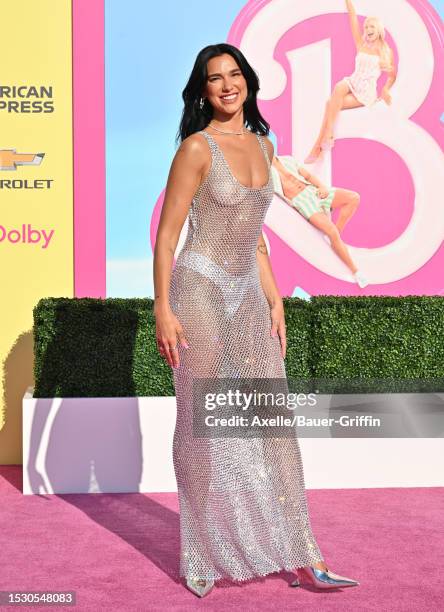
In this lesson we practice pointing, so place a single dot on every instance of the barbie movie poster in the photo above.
(353, 93)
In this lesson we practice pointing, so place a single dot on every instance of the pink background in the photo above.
(88, 21)
(359, 164)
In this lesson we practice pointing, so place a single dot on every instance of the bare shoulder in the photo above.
(270, 147)
(194, 145)
(195, 151)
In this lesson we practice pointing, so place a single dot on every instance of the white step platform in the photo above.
(124, 444)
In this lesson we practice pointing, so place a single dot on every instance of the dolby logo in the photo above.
(26, 234)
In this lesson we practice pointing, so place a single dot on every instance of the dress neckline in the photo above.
(369, 54)
(236, 180)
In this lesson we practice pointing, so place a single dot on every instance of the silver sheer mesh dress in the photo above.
(243, 509)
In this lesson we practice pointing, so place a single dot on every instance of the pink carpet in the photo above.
(120, 551)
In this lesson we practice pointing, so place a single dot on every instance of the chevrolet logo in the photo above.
(10, 159)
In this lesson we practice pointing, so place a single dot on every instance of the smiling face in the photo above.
(226, 88)
(372, 30)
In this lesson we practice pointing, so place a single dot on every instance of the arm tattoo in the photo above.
(262, 249)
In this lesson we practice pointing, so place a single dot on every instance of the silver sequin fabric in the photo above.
(243, 508)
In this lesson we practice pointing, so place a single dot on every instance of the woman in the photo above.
(314, 201)
(360, 89)
(242, 501)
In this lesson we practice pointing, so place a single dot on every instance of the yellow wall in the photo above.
(35, 42)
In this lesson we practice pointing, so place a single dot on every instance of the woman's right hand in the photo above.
(385, 95)
(169, 332)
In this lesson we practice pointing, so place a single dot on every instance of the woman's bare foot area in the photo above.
(313, 155)
(321, 565)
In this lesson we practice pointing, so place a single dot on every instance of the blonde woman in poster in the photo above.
(219, 315)
(373, 57)
(315, 201)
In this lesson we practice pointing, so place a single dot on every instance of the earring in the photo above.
(201, 103)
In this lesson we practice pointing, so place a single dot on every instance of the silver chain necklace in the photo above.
(222, 131)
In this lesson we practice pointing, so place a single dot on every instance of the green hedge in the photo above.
(87, 347)
(378, 343)
(91, 347)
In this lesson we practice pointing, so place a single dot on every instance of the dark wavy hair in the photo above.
(194, 118)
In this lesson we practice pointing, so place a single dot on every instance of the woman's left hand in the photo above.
(278, 324)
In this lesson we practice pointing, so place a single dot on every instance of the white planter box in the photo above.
(124, 444)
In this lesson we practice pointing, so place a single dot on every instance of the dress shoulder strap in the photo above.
(207, 136)
(211, 143)
(264, 148)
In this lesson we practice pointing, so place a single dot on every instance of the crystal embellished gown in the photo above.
(243, 509)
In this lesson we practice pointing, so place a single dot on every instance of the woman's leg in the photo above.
(341, 99)
(317, 144)
(323, 223)
(347, 201)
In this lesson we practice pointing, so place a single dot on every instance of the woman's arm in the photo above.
(354, 24)
(272, 294)
(268, 281)
(391, 78)
(185, 175)
(391, 71)
(184, 178)
(266, 273)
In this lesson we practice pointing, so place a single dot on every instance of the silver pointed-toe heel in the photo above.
(322, 579)
(199, 586)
